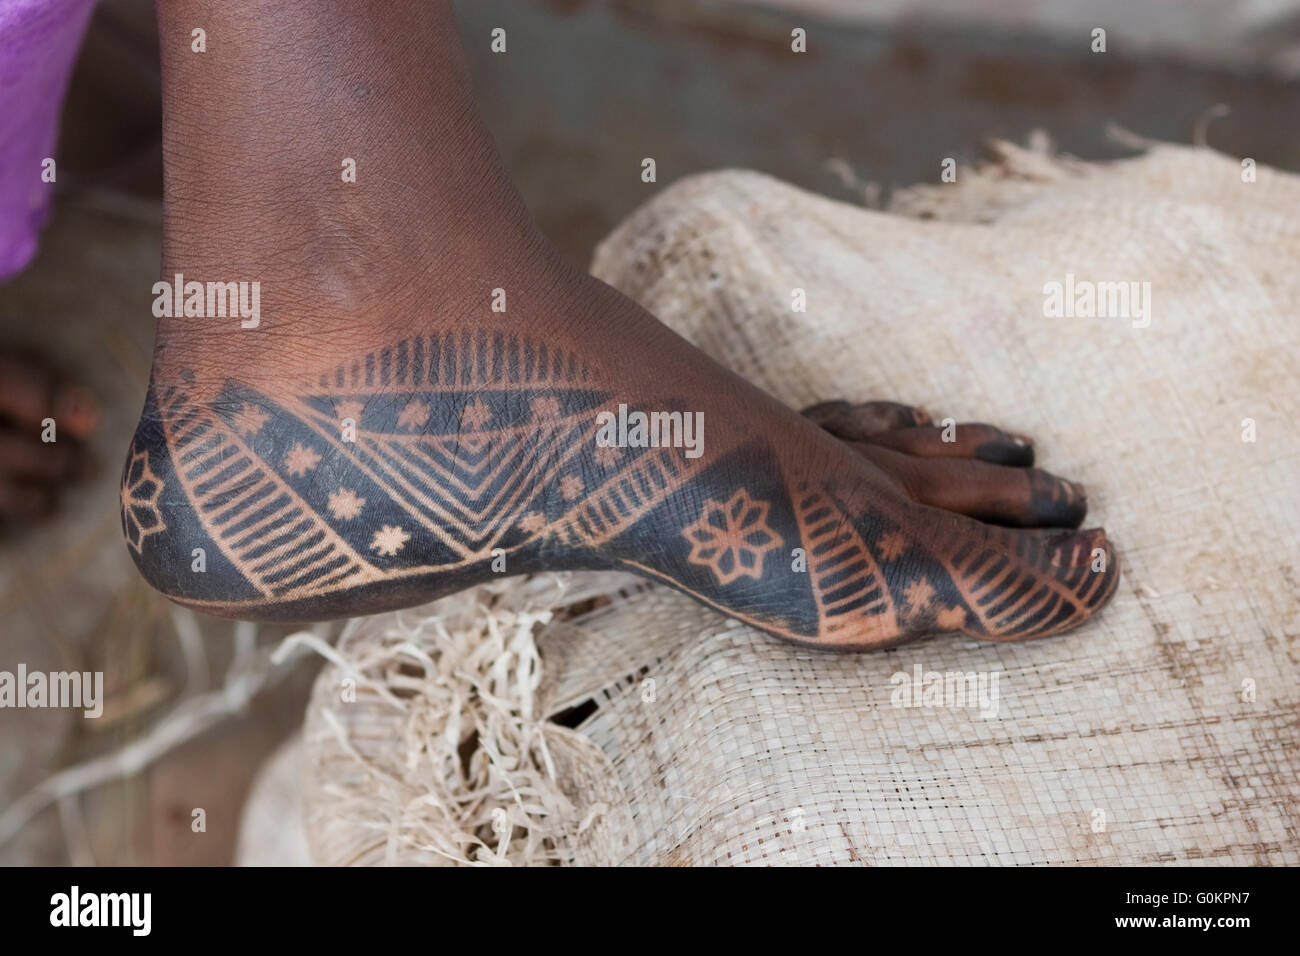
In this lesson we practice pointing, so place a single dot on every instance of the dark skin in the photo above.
(385, 437)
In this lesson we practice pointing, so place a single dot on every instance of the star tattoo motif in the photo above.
(349, 409)
(547, 406)
(892, 545)
(300, 460)
(532, 522)
(344, 504)
(476, 414)
(414, 415)
(388, 540)
(249, 420)
(571, 487)
(918, 595)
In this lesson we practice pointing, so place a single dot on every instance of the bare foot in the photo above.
(385, 436)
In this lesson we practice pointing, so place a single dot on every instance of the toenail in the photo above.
(1076, 550)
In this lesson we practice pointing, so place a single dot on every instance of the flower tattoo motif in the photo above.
(140, 491)
(732, 539)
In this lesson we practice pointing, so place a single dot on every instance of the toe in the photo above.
(1023, 584)
(1017, 497)
(856, 422)
(983, 442)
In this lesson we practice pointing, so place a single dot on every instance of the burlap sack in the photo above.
(1165, 730)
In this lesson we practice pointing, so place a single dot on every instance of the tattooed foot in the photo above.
(432, 398)
(448, 456)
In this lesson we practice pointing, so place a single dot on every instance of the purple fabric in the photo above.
(38, 46)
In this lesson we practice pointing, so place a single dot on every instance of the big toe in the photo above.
(1024, 584)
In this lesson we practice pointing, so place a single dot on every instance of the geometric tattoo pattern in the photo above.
(140, 491)
(423, 458)
(404, 474)
(732, 539)
(852, 596)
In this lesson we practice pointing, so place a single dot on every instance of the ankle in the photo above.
(331, 152)
(305, 327)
